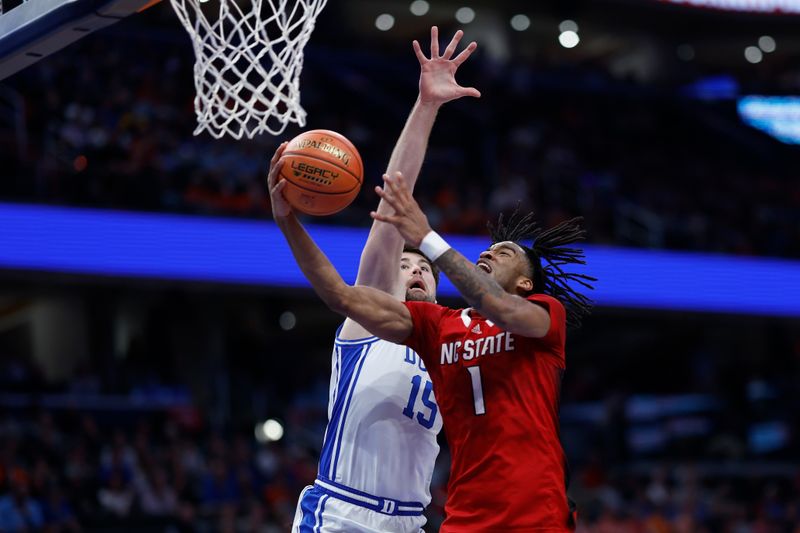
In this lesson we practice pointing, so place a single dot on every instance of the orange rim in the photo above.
(149, 4)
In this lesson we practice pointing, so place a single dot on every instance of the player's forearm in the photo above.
(375, 310)
(409, 151)
(479, 290)
(378, 265)
(316, 267)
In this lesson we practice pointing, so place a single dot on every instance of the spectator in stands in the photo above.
(19, 512)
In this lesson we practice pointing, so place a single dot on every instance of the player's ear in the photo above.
(524, 285)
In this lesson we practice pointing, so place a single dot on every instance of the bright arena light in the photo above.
(269, 431)
(569, 39)
(779, 116)
(753, 54)
(761, 6)
(685, 52)
(568, 25)
(520, 22)
(766, 43)
(287, 320)
(419, 7)
(384, 22)
(465, 15)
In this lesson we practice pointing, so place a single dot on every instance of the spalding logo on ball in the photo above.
(323, 171)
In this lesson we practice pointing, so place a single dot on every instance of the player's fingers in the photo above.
(465, 53)
(278, 188)
(384, 218)
(384, 194)
(390, 197)
(434, 42)
(274, 170)
(388, 192)
(391, 184)
(399, 183)
(418, 51)
(404, 188)
(278, 152)
(275, 156)
(451, 48)
(470, 91)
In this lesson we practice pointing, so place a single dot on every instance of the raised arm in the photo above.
(509, 311)
(382, 314)
(437, 85)
(379, 264)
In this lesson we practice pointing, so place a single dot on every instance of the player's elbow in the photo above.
(529, 320)
(511, 314)
(355, 303)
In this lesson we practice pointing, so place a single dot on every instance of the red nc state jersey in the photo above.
(498, 394)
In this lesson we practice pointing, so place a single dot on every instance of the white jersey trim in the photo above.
(337, 442)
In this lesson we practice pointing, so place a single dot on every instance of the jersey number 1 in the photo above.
(477, 389)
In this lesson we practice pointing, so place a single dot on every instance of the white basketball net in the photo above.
(248, 59)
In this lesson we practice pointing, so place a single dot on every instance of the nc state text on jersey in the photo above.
(471, 348)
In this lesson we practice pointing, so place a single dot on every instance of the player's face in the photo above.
(417, 274)
(507, 263)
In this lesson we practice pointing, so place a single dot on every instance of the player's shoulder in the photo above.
(554, 307)
(547, 301)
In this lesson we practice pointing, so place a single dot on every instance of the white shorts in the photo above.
(320, 512)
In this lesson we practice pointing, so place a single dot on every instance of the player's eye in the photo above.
(403, 267)
(426, 269)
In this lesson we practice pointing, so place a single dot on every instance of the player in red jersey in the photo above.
(496, 367)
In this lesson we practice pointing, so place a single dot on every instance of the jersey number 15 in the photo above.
(427, 400)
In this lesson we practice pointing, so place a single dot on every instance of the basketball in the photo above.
(323, 171)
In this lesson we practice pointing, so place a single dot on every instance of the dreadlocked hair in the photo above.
(550, 245)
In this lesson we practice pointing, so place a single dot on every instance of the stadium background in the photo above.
(129, 404)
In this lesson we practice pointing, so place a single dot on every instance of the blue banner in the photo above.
(222, 250)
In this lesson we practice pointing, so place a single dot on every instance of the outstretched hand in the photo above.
(280, 207)
(437, 81)
(408, 218)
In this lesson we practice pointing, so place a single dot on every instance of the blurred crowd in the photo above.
(676, 499)
(72, 472)
(65, 471)
(108, 121)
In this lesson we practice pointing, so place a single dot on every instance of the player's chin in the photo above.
(418, 295)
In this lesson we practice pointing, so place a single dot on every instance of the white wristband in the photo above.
(433, 246)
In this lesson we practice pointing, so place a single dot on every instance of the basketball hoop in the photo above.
(248, 59)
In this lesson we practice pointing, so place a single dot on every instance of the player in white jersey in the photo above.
(380, 444)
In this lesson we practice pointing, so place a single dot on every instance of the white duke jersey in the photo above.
(382, 421)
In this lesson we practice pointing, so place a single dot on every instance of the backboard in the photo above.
(33, 29)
